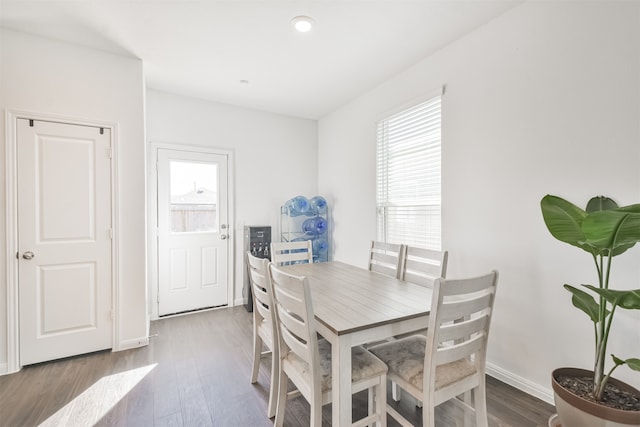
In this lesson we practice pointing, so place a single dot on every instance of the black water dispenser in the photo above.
(256, 240)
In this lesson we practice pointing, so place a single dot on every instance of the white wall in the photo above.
(544, 99)
(275, 157)
(43, 76)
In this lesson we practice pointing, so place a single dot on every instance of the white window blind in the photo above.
(408, 176)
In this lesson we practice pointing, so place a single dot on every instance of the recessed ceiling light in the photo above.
(243, 81)
(302, 23)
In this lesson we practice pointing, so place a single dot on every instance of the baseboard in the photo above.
(134, 343)
(522, 384)
(4, 369)
(238, 301)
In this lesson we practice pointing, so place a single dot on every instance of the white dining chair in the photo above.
(386, 258)
(306, 360)
(286, 253)
(423, 266)
(451, 359)
(264, 325)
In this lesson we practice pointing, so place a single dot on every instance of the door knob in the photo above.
(28, 255)
(223, 236)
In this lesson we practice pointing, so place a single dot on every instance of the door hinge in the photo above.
(17, 255)
(110, 152)
(101, 131)
(111, 233)
(30, 122)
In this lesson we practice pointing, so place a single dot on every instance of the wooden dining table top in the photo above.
(348, 299)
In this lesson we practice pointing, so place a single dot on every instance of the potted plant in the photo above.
(604, 230)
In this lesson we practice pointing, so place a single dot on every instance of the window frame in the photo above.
(402, 204)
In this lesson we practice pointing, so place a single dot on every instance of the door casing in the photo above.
(152, 218)
(11, 195)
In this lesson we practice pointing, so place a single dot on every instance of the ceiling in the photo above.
(206, 48)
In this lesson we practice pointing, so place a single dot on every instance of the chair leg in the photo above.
(467, 415)
(480, 404)
(257, 350)
(283, 382)
(428, 413)
(316, 411)
(396, 391)
(273, 387)
(371, 402)
(381, 401)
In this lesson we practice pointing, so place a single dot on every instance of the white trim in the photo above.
(543, 393)
(13, 347)
(134, 343)
(13, 318)
(152, 217)
(410, 103)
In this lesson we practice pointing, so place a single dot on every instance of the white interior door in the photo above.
(192, 231)
(64, 239)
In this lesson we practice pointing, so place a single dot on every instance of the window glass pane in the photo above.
(408, 176)
(194, 196)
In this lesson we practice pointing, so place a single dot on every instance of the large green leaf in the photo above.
(625, 299)
(585, 302)
(633, 363)
(600, 203)
(612, 231)
(564, 221)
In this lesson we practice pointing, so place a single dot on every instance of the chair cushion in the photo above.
(363, 364)
(405, 359)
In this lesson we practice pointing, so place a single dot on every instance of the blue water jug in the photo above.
(320, 246)
(318, 205)
(314, 226)
(297, 206)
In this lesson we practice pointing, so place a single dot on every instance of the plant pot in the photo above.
(574, 411)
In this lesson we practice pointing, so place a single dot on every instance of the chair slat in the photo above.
(463, 350)
(455, 331)
(285, 253)
(456, 310)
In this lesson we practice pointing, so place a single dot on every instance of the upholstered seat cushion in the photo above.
(405, 359)
(363, 364)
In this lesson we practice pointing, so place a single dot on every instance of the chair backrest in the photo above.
(423, 266)
(296, 329)
(261, 289)
(386, 258)
(459, 324)
(286, 253)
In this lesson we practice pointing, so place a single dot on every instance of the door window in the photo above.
(194, 197)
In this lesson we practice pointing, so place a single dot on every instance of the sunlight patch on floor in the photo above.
(96, 401)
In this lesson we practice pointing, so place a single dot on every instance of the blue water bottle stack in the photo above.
(307, 219)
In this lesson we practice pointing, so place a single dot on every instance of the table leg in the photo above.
(341, 381)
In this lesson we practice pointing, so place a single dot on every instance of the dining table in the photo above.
(354, 306)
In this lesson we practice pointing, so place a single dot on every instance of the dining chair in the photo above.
(451, 359)
(386, 258)
(264, 325)
(286, 253)
(306, 360)
(423, 266)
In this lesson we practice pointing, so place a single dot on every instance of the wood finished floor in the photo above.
(195, 372)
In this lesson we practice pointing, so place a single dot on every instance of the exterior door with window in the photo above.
(192, 231)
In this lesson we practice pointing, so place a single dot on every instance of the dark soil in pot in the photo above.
(613, 397)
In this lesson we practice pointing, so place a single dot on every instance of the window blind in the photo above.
(408, 179)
